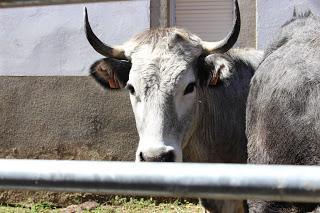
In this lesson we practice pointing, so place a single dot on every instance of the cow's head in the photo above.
(162, 69)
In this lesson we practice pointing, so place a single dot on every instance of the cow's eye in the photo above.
(189, 88)
(130, 88)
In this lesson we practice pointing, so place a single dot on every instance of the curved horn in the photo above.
(228, 42)
(98, 45)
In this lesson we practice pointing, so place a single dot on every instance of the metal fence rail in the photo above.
(24, 3)
(219, 181)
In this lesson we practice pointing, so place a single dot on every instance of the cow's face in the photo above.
(162, 90)
(161, 69)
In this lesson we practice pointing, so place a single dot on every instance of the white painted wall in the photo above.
(272, 14)
(49, 40)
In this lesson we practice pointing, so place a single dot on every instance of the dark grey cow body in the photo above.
(283, 112)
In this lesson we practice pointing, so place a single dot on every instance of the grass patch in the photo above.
(116, 204)
(43, 207)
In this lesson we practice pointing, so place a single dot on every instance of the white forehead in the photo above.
(162, 68)
(146, 58)
(162, 57)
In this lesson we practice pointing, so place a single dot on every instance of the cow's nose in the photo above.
(162, 157)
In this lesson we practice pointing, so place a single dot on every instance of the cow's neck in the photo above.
(219, 135)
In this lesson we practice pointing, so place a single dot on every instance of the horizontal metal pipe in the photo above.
(27, 3)
(217, 181)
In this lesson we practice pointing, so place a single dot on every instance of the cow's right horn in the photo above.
(98, 45)
(225, 44)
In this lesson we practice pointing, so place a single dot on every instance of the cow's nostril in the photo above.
(141, 157)
(167, 157)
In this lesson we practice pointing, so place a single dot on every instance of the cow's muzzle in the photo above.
(167, 156)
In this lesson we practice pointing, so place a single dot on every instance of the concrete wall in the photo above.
(247, 36)
(272, 14)
(159, 13)
(49, 40)
(64, 118)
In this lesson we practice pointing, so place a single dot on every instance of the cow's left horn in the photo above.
(98, 45)
(228, 42)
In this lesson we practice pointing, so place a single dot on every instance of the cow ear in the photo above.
(216, 69)
(111, 73)
(218, 73)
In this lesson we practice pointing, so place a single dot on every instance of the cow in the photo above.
(283, 109)
(188, 95)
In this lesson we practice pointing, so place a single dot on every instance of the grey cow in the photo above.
(283, 112)
(188, 95)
